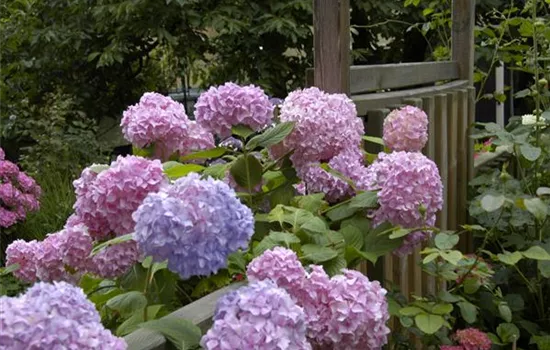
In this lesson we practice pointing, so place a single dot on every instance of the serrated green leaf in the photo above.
(247, 171)
(242, 131)
(175, 170)
(217, 171)
(127, 303)
(398, 233)
(334, 266)
(429, 324)
(8, 269)
(543, 342)
(368, 199)
(375, 140)
(317, 254)
(207, 154)
(314, 225)
(182, 333)
(312, 203)
(378, 244)
(272, 136)
(111, 242)
(341, 212)
(352, 236)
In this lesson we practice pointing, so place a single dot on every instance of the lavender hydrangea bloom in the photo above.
(76, 245)
(406, 129)
(258, 316)
(411, 193)
(53, 316)
(105, 201)
(325, 125)
(225, 106)
(23, 253)
(114, 261)
(194, 224)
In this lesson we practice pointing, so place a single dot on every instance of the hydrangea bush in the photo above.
(279, 194)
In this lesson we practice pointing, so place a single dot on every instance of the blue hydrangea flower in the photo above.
(195, 224)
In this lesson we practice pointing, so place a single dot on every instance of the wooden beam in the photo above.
(331, 22)
(463, 20)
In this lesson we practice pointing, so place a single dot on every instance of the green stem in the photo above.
(148, 279)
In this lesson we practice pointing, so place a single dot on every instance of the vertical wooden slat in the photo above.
(462, 37)
(404, 276)
(452, 139)
(417, 102)
(331, 22)
(441, 152)
(428, 104)
(462, 164)
(471, 121)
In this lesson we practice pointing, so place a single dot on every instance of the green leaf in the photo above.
(544, 268)
(445, 240)
(468, 311)
(429, 324)
(284, 238)
(352, 236)
(247, 171)
(127, 303)
(505, 312)
(242, 131)
(208, 154)
(490, 203)
(543, 342)
(236, 263)
(529, 152)
(315, 225)
(9, 269)
(367, 199)
(508, 332)
(312, 203)
(375, 140)
(510, 258)
(543, 191)
(272, 136)
(444, 295)
(341, 212)
(536, 253)
(379, 245)
(132, 323)
(442, 309)
(452, 256)
(407, 322)
(410, 311)
(317, 254)
(282, 195)
(400, 232)
(217, 171)
(537, 207)
(111, 242)
(175, 170)
(429, 258)
(471, 285)
(334, 267)
(182, 333)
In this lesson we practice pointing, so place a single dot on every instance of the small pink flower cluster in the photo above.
(406, 129)
(105, 203)
(19, 193)
(346, 311)
(161, 122)
(469, 339)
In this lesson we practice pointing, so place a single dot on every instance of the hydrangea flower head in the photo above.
(473, 339)
(408, 181)
(197, 138)
(257, 316)
(23, 253)
(195, 224)
(114, 261)
(406, 129)
(220, 108)
(53, 316)
(76, 246)
(105, 201)
(49, 259)
(281, 265)
(451, 347)
(325, 125)
(157, 120)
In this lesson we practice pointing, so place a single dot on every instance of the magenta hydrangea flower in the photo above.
(257, 316)
(280, 265)
(114, 261)
(473, 339)
(225, 106)
(7, 217)
(54, 316)
(155, 120)
(8, 170)
(325, 125)
(406, 129)
(195, 224)
(23, 253)
(411, 193)
(105, 201)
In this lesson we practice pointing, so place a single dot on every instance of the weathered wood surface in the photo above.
(400, 75)
(331, 22)
(199, 312)
(462, 38)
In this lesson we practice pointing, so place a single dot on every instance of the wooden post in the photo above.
(463, 38)
(331, 22)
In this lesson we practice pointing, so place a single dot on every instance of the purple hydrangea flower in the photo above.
(76, 246)
(53, 316)
(105, 201)
(197, 138)
(411, 193)
(258, 316)
(406, 129)
(49, 259)
(114, 261)
(326, 124)
(23, 253)
(225, 106)
(194, 224)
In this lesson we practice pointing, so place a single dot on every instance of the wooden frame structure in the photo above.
(443, 89)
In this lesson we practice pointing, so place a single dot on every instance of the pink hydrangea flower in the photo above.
(473, 339)
(225, 106)
(49, 260)
(325, 125)
(23, 253)
(406, 129)
(105, 201)
(7, 217)
(451, 347)
(8, 170)
(76, 246)
(114, 261)
(411, 193)
(157, 120)
(197, 138)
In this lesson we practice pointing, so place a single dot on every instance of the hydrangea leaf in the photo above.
(247, 171)
(317, 254)
(368, 199)
(127, 303)
(175, 170)
(207, 154)
(508, 332)
(182, 333)
(272, 136)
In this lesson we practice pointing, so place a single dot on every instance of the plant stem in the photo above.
(148, 279)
